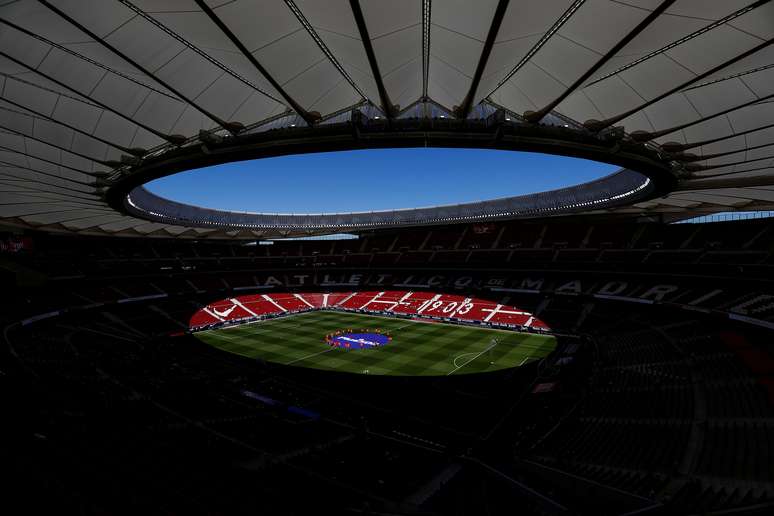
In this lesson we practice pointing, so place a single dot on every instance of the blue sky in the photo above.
(380, 179)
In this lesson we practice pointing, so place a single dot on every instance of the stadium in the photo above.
(602, 346)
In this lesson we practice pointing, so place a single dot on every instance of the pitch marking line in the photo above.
(472, 359)
(460, 356)
(257, 331)
(221, 336)
(259, 321)
(310, 356)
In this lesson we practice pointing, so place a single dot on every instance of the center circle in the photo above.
(360, 339)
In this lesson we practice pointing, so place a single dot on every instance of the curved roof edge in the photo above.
(623, 187)
(646, 172)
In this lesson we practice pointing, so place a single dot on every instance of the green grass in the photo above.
(417, 348)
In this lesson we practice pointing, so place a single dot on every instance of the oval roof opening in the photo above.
(374, 180)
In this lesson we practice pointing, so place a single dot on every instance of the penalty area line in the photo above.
(472, 359)
(460, 356)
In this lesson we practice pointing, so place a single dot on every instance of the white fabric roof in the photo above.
(82, 83)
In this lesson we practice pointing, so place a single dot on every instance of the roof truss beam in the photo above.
(93, 101)
(728, 153)
(767, 179)
(13, 166)
(724, 165)
(741, 182)
(644, 135)
(541, 42)
(732, 76)
(323, 47)
(303, 113)
(387, 106)
(600, 125)
(36, 114)
(537, 116)
(3, 148)
(138, 66)
(197, 50)
(682, 40)
(58, 147)
(9, 179)
(84, 58)
(494, 28)
(683, 147)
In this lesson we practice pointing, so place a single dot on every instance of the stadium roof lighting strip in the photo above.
(427, 7)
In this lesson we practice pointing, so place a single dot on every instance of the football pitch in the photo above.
(417, 348)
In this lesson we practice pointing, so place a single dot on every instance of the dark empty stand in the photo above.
(410, 258)
(493, 258)
(522, 235)
(643, 406)
(443, 240)
(450, 257)
(384, 259)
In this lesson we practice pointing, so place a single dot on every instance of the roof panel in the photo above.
(313, 87)
(448, 86)
(102, 17)
(125, 96)
(160, 113)
(145, 43)
(259, 25)
(757, 23)
(290, 56)
(458, 50)
(82, 116)
(384, 18)
(351, 55)
(405, 83)
(338, 96)
(332, 16)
